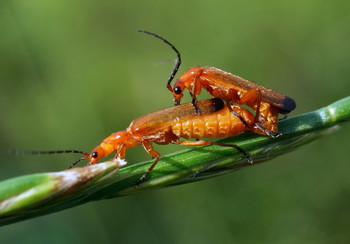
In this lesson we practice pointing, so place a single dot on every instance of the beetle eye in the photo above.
(94, 154)
(177, 90)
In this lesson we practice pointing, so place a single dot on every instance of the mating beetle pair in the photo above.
(222, 116)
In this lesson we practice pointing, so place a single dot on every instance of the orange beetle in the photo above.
(168, 125)
(233, 89)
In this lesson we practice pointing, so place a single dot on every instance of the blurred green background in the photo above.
(72, 72)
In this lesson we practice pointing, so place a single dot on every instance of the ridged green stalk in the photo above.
(39, 194)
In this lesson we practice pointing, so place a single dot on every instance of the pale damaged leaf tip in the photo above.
(68, 184)
(75, 178)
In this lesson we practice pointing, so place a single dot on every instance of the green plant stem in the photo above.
(39, 194)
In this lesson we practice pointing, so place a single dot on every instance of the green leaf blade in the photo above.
(38, 194)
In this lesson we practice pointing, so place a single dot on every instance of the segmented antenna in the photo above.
(17, 152)
(178, 60)
(73, 164)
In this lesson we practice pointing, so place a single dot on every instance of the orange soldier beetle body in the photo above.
(168, 125)
(233, 89)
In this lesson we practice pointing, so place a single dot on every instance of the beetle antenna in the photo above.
(73, 164)
(178, 60)
(17, 152)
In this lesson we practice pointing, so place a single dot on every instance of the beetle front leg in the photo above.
(195, 90)
(154, 154)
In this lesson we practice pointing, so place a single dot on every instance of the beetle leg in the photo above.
(120, 151)
(193, 93)
(267, 132)
(154, 154)
(253, 99)
(237, 115)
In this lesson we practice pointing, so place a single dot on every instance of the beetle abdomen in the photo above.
(219, 124)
